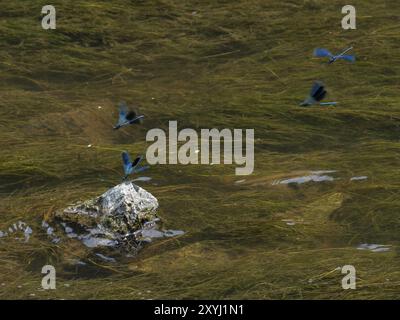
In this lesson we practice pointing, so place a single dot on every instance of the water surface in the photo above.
(229, 65)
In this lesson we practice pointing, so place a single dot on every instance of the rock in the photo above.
(109, 220)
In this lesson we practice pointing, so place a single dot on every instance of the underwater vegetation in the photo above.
(325, 188)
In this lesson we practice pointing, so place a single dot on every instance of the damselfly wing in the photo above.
(131, 167)
(126, 116)
(322, 53)
(317, 94)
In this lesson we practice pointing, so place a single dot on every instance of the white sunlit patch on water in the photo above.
(19, 230)
(94, 242)
(289, 222)
(50, 232)
(149, 232)
(173, 233)
(148, 235)
(315, 176)
(374, 247)
(143, 179)
(93, 238)
(360, 178)
(105, 258)
(69, 231)
(77, 262)
(97, 238)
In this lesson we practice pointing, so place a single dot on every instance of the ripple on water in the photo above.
(94, 242)
(148, 235)
(289, 222)
(374, 247)
(50, 232)
(358, 178)
(143, 179)
(314, 176)
(98, 237)
(240, 181)
(20, 230)
(105, 258)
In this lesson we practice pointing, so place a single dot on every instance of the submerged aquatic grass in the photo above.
(211, 65)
